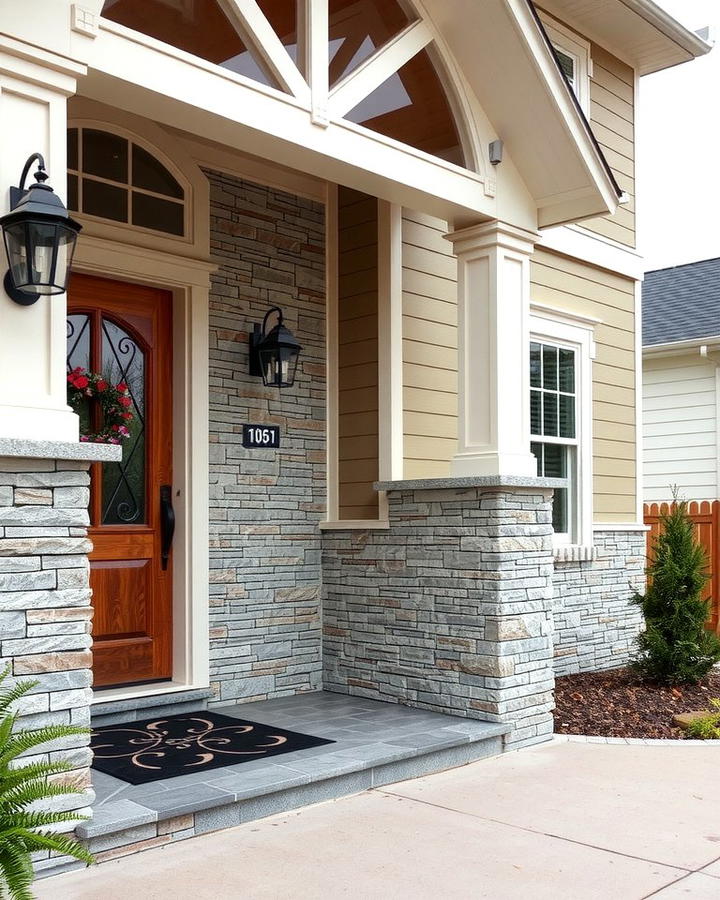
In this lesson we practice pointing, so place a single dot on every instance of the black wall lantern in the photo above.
(274, 354)
(39, 239)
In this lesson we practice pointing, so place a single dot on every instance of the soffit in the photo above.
(637, 31)
(504, 56)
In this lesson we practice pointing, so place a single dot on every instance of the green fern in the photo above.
(25, 829)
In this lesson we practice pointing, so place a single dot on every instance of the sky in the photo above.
(679, 151)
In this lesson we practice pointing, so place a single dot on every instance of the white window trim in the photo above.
(577, 48)
(577, 337)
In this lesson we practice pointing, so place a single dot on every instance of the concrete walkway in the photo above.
(565, 820)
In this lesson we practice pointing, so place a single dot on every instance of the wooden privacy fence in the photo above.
(706, 517)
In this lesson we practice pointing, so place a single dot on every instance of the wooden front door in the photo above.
(123, 331)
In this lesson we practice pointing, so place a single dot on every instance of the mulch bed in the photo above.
(616, 703)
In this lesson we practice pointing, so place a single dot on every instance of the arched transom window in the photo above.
(112, 177)
(384, 71)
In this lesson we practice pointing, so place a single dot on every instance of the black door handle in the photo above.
(167, 523)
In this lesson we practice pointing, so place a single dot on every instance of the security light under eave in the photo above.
(274, 354)
(39, 239)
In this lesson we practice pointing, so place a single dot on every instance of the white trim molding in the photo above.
(594, 249)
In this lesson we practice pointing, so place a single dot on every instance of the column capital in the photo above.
(493, 233)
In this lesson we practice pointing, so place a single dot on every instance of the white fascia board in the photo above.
(138, 74)
(565, 209)
(677, 348)
(594, 249)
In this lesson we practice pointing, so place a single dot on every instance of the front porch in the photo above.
(374, 744)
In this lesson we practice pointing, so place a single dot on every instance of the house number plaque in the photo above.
(261, 436)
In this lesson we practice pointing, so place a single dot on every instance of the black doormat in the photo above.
(140, 752)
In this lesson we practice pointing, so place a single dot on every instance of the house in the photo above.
(681, 329)
(440, 506)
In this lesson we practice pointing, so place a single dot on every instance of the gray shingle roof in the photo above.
(681, 303)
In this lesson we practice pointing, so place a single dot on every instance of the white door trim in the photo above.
(188, 279)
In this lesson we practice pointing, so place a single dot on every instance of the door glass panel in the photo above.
(123, 483)
(78, 356)
(199, 27)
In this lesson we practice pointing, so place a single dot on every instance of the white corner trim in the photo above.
(355, 525)
(639, 509)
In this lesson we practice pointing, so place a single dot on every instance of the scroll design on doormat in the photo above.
(200, 734)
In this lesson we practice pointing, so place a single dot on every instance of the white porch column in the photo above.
(34, 88)
(493, 361)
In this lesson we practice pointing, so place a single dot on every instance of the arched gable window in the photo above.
(112, 177)
(384, 72)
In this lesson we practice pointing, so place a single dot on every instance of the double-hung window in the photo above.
(573, 55)
(561, 421)
(554, 433)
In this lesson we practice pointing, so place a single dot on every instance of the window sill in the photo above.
(572, 553)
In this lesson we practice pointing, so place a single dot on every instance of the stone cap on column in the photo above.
(22, 448)
(472, 481)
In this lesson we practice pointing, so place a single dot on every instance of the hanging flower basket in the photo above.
(114, 400)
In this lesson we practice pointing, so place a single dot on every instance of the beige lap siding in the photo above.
(429, 281)
(612, 117)
(578, 287)
(358, 354)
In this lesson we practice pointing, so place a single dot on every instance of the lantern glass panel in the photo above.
(16, 252)
(67, 238)
(42, 237)
(278, 365)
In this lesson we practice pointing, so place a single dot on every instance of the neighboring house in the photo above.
(444, 208)
(681, 366)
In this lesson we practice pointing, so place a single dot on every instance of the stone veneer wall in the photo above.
(265, 578)
(595, 625)
(45, 611)
(450, 609)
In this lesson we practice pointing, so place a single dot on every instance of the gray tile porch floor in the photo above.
(369, 737)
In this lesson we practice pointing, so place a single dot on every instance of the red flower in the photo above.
(101, 385)
(81, 382)
(127, 416)
(122, 387)
(125, 401)
(116, 428)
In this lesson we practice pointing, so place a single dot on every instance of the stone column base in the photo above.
(45, 612)
(451, 609)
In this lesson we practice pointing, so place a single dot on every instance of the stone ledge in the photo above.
(570, 553)
(22, 448)
(473, 481)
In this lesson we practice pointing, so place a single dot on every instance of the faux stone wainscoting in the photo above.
(449, 610)
(265, 505)
(595, 624)
(45, 612)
